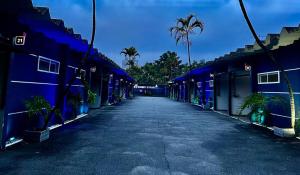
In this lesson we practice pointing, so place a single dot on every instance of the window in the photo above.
(211, 83)
(47, 65)
(82, 72)
(268, 77)
(199, 84)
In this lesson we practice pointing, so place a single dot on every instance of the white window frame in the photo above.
(75, 69)
(50, 62)
(267, 73)
(81, 70)
(211, 83)
(199, 84)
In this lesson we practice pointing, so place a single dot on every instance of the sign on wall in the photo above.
(20, 40)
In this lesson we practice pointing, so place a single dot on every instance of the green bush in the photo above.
(258, 104)
(75, 101)
(91, 97)
(38, 106)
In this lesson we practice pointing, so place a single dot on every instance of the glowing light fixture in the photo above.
(93, 69)
(247, 67)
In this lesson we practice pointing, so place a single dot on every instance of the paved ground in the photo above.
(149, 136)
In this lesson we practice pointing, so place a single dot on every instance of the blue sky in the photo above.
(144, 24)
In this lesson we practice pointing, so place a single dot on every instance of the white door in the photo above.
(222, 93)
(242, 91)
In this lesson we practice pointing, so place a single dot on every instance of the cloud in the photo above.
(169, 3)
(144, 23)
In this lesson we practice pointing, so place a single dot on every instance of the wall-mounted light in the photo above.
(111, 75)
(184, 82)
(247, 67)
(211, 75)
(193, 80)
(199, 84)
(121, 79)
(93, 69)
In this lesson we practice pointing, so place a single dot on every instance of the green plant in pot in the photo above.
(117, 98)
(195, 100)
(92, 96)
(38, 108)
(258, 104)
(75, 101)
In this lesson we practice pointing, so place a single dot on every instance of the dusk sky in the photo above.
(144, 24)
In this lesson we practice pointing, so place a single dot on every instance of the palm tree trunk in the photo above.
(190, 66)
(72, 80)
(271, 56)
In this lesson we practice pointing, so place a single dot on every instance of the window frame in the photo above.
(259, 76)
(211, 83)
(81, 70)
(49, 67)
(199, 84)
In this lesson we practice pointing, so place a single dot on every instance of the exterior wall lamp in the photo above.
(93, 69)
(211, 75)
(247, 67)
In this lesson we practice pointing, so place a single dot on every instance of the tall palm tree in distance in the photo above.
(182, 31)
(130, 56)
(273, 59)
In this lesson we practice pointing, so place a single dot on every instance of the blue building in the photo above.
(223, 84)
(39, 56)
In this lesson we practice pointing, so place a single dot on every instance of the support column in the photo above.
(4, 68)
(110, 89)
(230, 76)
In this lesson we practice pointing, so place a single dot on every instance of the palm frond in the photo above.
(197, 24)
(189, 19)
(181, 22)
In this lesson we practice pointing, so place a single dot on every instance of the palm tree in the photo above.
(130, 56)
(273, 59)
(66, 91)
(182, 31)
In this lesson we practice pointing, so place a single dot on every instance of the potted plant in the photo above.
(195, 100)
(91, 97)
(258, 104)
(75, 101)
(38, 109)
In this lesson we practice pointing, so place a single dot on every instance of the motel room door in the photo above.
(222, 92)
(241, 89)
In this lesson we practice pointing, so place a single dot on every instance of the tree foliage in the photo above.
(130, 56)
(162, 70)
(184, 28)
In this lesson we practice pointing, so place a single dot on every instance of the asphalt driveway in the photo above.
(154, 136)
